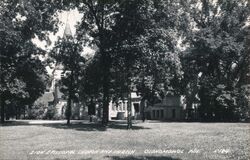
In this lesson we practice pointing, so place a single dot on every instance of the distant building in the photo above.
(53, 96)
(60, 102)
(47, 99)
(118, 110)
(171, 108)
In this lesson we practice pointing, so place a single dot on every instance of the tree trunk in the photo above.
(129, 118)
(106, 98)
(190, 97)
(68, 111)
(24, 111)
(105, 113)
(189, 107)
(143, 109)
(19, 113)
(2, 110)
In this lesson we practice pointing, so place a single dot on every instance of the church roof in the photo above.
(67, 31)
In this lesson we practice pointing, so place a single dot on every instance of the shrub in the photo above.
(37, 111)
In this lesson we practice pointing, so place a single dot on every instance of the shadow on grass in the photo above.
(68, 159)
(79, 126)
(142, 158)
(133, 158)
(93, 126)
(14, 123)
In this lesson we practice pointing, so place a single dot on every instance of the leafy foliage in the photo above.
(67, 52)
(23, 75)
(216, 53)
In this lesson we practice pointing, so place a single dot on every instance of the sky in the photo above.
(71, 17)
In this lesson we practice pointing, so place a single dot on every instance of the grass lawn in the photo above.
(149, 140)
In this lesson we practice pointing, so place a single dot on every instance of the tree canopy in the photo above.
(23, 75)
(157, 48)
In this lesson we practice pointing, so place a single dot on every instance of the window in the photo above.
(123, 105)
(120, 106)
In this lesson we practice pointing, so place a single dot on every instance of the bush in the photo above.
(37, 111)
(51, 113)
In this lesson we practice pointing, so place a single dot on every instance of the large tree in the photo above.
(67, 52)
(131, 22)
(215, 56)
(94, 29)
(135, 39)
(20, 22)
(145, 49)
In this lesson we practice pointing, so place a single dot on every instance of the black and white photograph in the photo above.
(125, 80)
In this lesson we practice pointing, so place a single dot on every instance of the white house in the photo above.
(119, 110)
(171, 108)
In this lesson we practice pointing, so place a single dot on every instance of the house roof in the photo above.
(47, 97)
